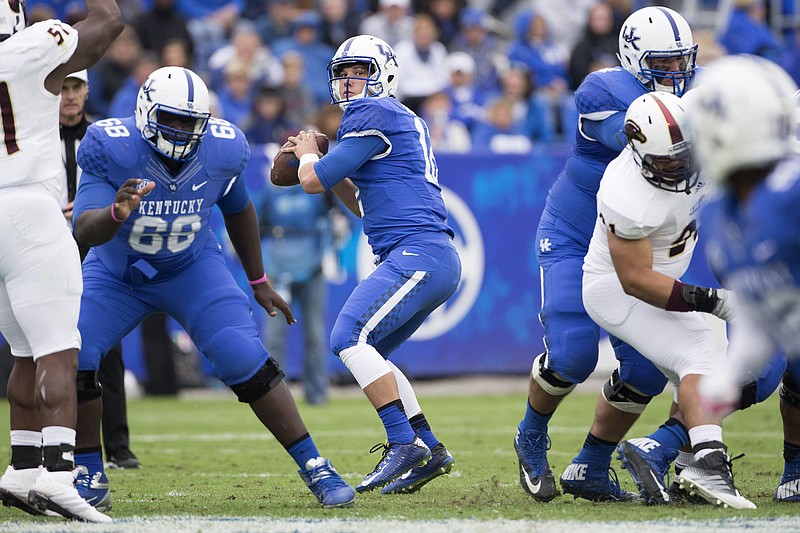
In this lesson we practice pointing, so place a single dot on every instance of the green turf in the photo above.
(211, 457)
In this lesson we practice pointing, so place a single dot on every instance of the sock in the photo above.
(302, 450)
(91, 458)
(684, 459)
(791, 452)
(398, 428)
(596, 452)
(26, 449)
(534, 420)
(705, 439)
(420, 425)
(671, 434)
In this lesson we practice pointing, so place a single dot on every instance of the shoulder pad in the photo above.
(110, 140)
(364, 114)
(224, 150)
(607, 90)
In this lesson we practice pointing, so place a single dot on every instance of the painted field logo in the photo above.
(469, 243)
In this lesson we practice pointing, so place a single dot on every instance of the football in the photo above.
(284, 165)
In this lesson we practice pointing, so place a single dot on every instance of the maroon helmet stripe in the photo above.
(674, 130)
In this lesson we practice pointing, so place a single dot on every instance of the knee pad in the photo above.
(365, 363)
(267, 378)
(551, 382)
(88, 386)
(764, 384)
(790, 391)
(623, 396)
(636, 371)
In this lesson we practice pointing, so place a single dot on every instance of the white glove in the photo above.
(726, 305)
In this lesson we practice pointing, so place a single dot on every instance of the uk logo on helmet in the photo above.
(630, 37)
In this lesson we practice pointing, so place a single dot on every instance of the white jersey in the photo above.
(632, 208)
(30, 150)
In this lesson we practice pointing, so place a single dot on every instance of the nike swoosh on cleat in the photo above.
(534, 487)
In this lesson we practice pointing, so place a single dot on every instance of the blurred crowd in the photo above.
(495, 75)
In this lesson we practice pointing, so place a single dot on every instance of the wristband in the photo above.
(113, 217)
(262, 279)
(306, 158)
(685, 297)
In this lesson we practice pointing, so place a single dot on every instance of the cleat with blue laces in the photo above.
(93, 487)
(584, 480)
(396, 460)
(789, 488)
(535, 474)
(326, 484)
(647, 461)
(440, 463)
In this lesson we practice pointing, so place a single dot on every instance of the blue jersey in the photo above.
(170, 228)
(754, 249)
(571, 204)
(398, 189)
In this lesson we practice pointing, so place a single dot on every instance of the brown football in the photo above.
(284, 165)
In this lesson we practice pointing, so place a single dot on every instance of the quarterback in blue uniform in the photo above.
(745, 124)
(657, 53)
(148, 187)
(384, 171)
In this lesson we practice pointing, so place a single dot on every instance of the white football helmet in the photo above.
(658, 132)
(172, 111)
(744, 117)
(657, 33)
(13, 17)
(383, 69)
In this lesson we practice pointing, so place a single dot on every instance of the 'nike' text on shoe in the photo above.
(587, 481)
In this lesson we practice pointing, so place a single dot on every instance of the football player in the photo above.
(152, 251)
(383, 169)
(647, 207)
(657, 53)
(40, 272)
(745, 126)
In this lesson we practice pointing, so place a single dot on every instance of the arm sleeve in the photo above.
(347, 157)
(607, 131)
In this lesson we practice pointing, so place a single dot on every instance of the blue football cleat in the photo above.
(647, 461)
(440, 463)
(584, 480)
(93, 487)
(535, 475)
(789, 488)
(396, 459)
(327, 485)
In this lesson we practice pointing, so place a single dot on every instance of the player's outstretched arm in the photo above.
(97, 226)
(101, 26)
(242, 229)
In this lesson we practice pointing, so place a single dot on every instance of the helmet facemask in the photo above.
(178, 132)
(339, 80)
(380, 74)
(677, 81)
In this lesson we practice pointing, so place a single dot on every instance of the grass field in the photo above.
(209, 458)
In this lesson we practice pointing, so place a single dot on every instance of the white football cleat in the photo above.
(55, 491)
(15, 486)
(712, 479)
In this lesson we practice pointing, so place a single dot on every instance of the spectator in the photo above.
(392, 22)
(176, 53)
(124, 102)
(424, 61)
(448, 135)
(305, 40)
(299, 102)
(110, 73)
(597, 47)
(475, 40)
(445, 14)
(565, 18)
(467, 100)
(547, 63)
(337, 22)
(161, 24)
(236, 96)
(500, 132)
(267, 122)
(295, 236)
(747, 31)
(210, 22)
(276, 22)
(247, 50)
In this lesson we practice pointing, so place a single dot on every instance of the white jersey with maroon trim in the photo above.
(30, 148)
